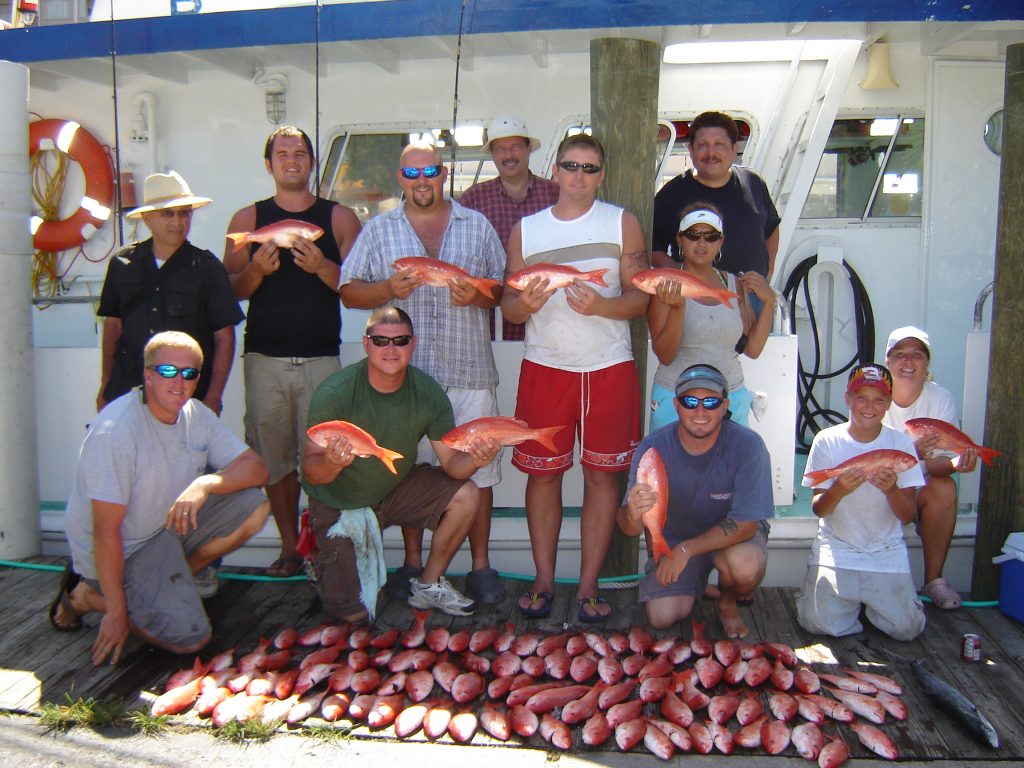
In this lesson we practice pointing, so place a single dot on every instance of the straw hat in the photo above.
(166, 190)
(507, 127)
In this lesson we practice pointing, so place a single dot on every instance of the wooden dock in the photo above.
(38, 664)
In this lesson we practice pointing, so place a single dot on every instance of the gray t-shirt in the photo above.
(131, 458)
(733, 480)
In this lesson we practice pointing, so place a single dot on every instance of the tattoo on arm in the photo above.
(637, 259)
(728, 526)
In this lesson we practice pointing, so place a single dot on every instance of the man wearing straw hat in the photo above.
(166, 283)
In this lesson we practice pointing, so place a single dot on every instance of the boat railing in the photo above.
(979, 305)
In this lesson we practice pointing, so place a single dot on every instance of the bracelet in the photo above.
(682, 548)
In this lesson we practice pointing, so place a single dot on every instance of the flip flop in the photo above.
(69, 580)
(592, 603)
(540, 612)
(285, 567)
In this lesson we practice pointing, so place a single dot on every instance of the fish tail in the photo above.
(421, 614)
(725, 296)
(597, 277)
(819, 476)
(389, 457)
(661, 547)
(987, 454)
(239, 239)
(546, 436)
(485, 285)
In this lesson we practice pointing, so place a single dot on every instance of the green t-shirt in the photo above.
(397, 420)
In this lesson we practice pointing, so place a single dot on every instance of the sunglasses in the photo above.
(572, 166)
(709, 237)
(430, 172)
(690, 403)
(383, 341)
(169, 371)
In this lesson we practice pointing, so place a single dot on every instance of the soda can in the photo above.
(970, 647)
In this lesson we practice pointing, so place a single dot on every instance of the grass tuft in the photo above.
(250, 731)
(89, 712)
(149, 725)
(327, 734)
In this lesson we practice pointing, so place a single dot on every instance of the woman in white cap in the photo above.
(916, 396)
(689, 331)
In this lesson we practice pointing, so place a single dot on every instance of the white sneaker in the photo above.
(441, 595)
(206, 582)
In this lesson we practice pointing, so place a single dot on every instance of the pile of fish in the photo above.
(671, 694)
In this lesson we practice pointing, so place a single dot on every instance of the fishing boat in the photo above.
(878, 130)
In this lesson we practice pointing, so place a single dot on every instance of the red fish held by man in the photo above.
(360, 441)
(282, 233)
(504, 429)
(439, 274)
(690, 286)
(651, 472)
(883, 458)
(950, 438)
(557, 275)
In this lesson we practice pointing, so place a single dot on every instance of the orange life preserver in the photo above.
(71, 138)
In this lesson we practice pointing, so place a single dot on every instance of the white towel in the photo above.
(361, 526)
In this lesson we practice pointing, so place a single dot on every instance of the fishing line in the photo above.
(117, 140)
(455, 98)
(316, 97)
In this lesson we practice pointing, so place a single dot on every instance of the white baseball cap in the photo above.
(907, 332)
(507, 127)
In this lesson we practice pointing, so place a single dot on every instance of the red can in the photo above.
(970, 647)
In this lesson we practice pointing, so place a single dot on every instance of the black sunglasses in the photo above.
(169, 371)
(430, 172)
(690, 403)
(572, 166)
(383, 341)
(709, 237)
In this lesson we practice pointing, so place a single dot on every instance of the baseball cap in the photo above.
(876, 376)
(702, 216)
(701, 377)
(507, 127)
(907, 332)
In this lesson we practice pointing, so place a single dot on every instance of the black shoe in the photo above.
(398, 582)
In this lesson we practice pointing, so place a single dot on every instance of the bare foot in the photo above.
(732, 622)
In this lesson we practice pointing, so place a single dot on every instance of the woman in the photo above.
(685, 332)
(916, 396)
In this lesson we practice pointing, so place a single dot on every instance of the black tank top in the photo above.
(292, 313)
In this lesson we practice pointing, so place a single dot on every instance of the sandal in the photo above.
(485, 587)
(941, 594)
(592, 618)
(541, 611)
(68, 582)
(397, 585)
(285, 567)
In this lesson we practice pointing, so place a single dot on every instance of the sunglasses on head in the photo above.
(709, 237)
(690, 403)
(572, 166)
(383, 341)
(430, 172)
(169, 371)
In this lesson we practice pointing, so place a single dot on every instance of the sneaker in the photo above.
(941, 594)
(441, 595)
(206, 582)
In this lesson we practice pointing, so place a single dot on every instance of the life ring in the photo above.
(71, 138)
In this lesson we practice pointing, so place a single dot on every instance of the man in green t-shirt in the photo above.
(397, 404)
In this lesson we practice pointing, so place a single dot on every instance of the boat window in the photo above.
(360, 168)
(871, 168)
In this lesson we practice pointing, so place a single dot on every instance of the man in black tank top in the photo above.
(285, 258)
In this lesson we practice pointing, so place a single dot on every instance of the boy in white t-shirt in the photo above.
(858, 557)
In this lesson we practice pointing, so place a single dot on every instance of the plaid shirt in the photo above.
(453, 344)
(491, 199)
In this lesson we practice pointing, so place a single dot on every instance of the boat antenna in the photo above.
(316, 98)
(117, 135)
(455, 99)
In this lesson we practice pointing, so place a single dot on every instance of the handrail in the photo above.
(979, 304)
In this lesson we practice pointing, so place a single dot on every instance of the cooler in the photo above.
(1011, 582)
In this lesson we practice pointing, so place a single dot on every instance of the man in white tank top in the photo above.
(578, 368)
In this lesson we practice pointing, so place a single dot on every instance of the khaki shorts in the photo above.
(419, 501)
(277, 395)
(161, 596)
(468, 404)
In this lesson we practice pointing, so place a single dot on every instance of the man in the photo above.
(750, 219)
(352, 499)
(515, 193)
(578, 367)
(166, 284)
(293, 327)
(719, 505)
(147, 515)
(859, 558)
(915, 396)
(452, 323)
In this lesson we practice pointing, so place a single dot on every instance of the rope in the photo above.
(47, 190)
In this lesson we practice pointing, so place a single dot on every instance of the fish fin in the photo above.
(661, 547)
(725, 296)
(485, 285)
(389, 457)
(421, 614)
(987, 454)
(546, 435)
(238, 238)
(817, 477)
(597, 277)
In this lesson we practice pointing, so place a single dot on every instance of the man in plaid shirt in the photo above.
(452, 324)
(515, 193)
